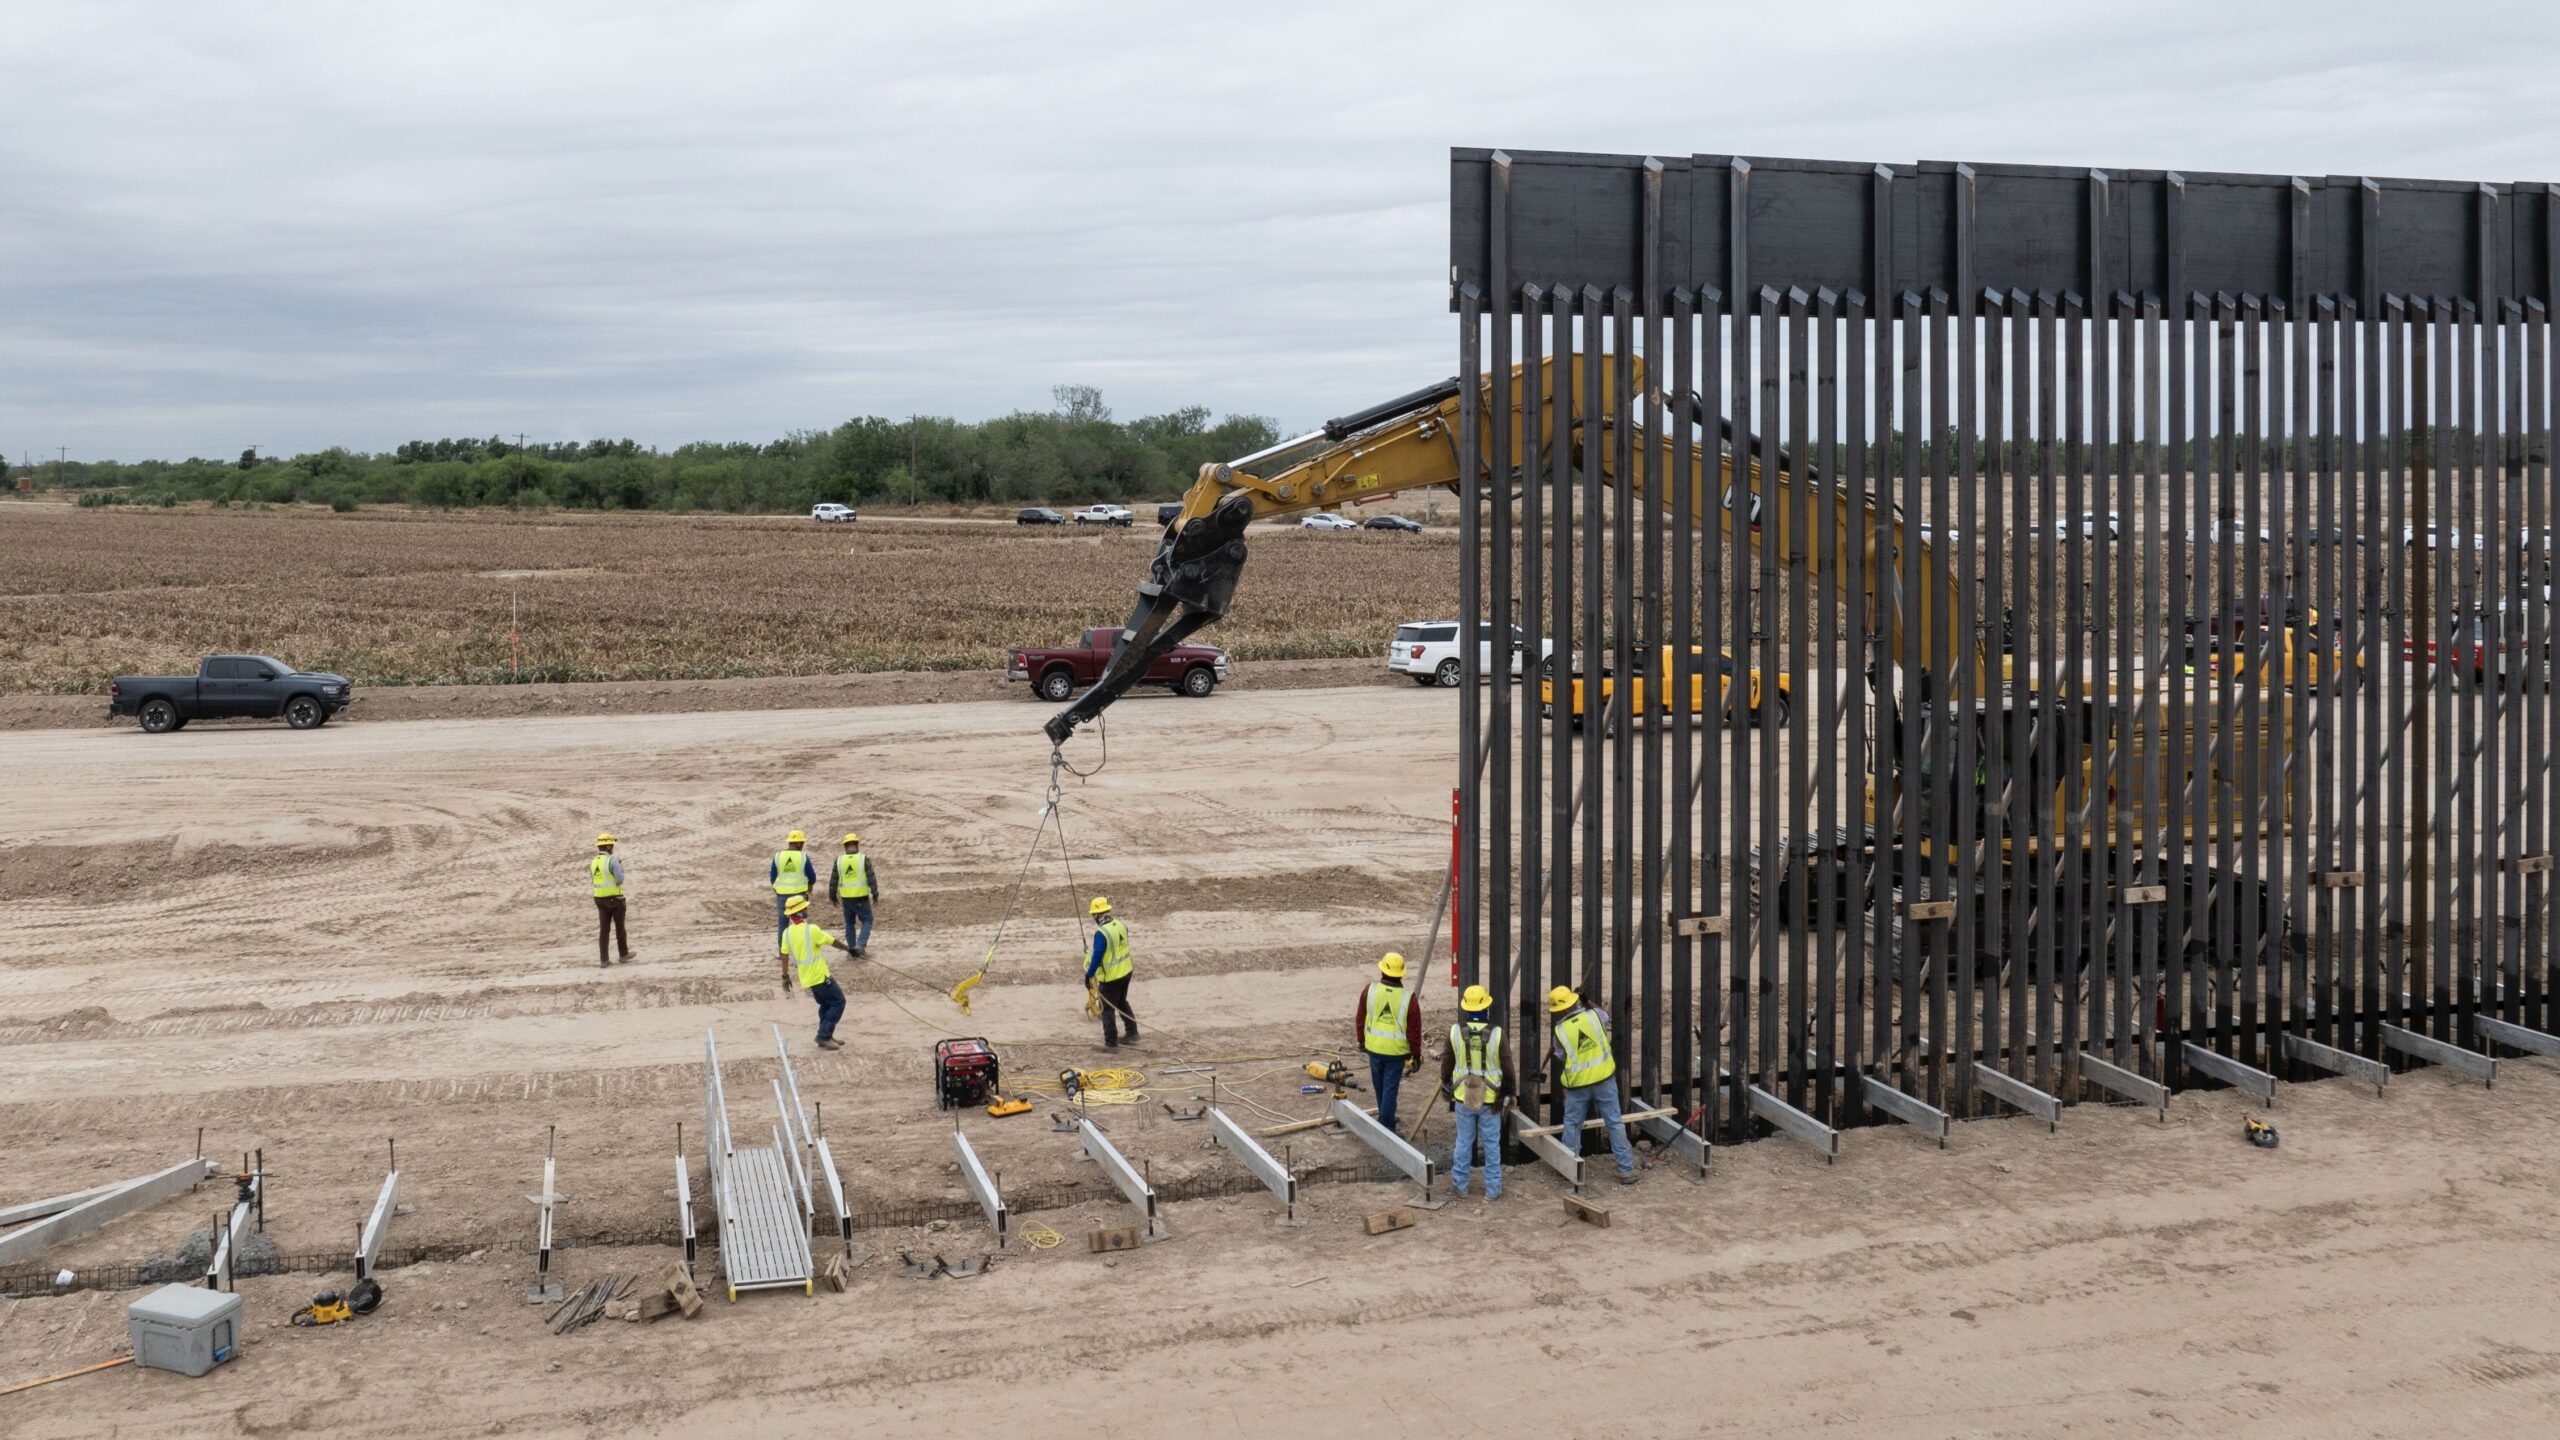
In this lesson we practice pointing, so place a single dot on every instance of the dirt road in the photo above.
(314, 943)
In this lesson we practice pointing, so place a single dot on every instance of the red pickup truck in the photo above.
(1055, 675)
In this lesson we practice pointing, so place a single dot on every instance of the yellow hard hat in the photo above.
(1476, 998)
(794, 838)
(796, 905)
(1561, 999)
(605, 839)
(1391, 965)
(852, 839)
(1098, 907)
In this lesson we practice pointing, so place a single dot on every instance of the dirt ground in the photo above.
(314, 944)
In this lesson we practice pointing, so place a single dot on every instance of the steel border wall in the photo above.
(2250, 370)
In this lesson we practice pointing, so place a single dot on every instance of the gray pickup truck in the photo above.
(231, 687)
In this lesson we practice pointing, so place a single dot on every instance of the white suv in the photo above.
(830, 514)
(1426, 651)
(1104, 515)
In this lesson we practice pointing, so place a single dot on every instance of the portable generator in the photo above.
(964, 1073)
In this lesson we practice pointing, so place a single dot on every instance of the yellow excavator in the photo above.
(1411, 442)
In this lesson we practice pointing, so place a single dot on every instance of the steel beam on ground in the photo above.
(1919, 1114)
(2336, 1061)
(2439, 1052)
(2009, 1090)
(2230, 1072)
(369, 1243)
(1797, 1123)
(983, 1186)
(29, 1241)
(2116, 1080)
(1132, 1185)
(1389, 1145)
(1565, 1160)
(684, 1214)
(835, 1195)
(1663, 1124)
(1239, 1142)
(38, 1209)
(2516, 1037)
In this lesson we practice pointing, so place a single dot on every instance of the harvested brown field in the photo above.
(402, 597)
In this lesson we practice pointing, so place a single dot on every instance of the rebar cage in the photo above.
(2177, 672)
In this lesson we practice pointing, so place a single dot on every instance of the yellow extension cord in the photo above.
(1039, 1236)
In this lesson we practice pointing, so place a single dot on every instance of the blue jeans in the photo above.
(830, 998)
(1481, 1125)
(1386, 1076)
(857, 922)
(1578, 1105)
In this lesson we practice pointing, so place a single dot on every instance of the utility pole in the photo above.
(911, 460)
(515, 487)
(61, 459)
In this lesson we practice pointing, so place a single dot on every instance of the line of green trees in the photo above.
(1073, 453)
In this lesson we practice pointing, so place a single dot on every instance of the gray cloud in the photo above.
(310, 224)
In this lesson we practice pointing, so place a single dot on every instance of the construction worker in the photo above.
(853, 887)
(604, 876)
(790, 876)
(1389, 1025)
(1106, 973)
(1472, 1073)
(804, 963)
(1589, 1071)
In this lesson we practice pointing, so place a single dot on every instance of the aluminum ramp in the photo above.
(764, 1211)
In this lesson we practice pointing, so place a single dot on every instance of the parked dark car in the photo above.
(231, 687)
(1038, 515)
(1392, 522)
(1165, 514)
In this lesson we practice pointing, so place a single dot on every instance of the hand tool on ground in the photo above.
(1332, 1073)
(2259, 1133)
(1009, 1105)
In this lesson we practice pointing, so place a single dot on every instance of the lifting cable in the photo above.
(1052, 812)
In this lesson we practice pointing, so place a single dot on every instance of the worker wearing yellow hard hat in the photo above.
(1389, 1028)
(1106, 974)
(1588, 1067)
(605, 880)
(789, 875)
(1475, 1074)
(855, 884)
(803, 946)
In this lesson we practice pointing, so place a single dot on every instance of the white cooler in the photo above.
(185, 1328)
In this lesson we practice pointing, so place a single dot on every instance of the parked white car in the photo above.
(1103, 515)
(1321, 521)
(1426, 652)
(831, 514)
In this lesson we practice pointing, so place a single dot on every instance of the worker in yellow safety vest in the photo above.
(1474, 1074)
(1584, 1062)
(1390, 1031)
(789, 875)
(803, 948)
(855, 885)
(604, 877)
(1106, 974)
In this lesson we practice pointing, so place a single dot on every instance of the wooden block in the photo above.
(2533, 865)
(2341, 879)
(681, 1289)
(1123, 1237)
(1586, 1212)
(832, 1271)
(651, 1306)
(1930, 910)
(2146, 894)
(1694, 925)
(1400, 1218)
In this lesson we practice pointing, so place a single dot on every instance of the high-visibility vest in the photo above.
(806, 944)
(1587, 1060)
(1383, 1032)
(853, 877)
(600, 873)
(1115, 951)
(1477, 1051)
(790, 872)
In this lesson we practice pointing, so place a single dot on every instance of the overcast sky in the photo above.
(296, 225)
